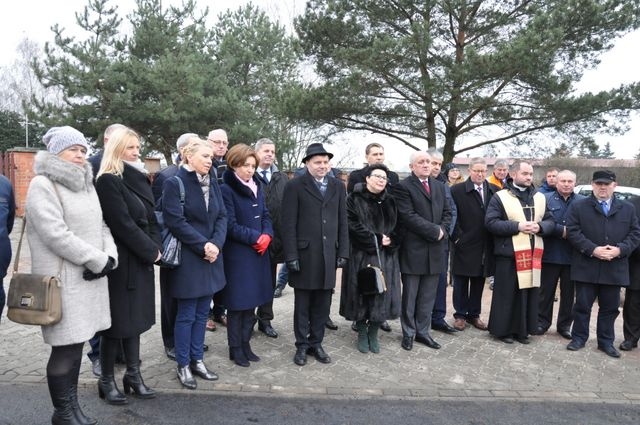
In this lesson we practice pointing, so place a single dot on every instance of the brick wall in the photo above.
(18, 164)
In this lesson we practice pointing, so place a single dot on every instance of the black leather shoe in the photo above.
(428, 341)
(523, 340)
(540, 331)
(277, 293)
(331, 325)
(628, 345)
(205, 347)
(96, 367)
(198, 368)
(265, 327)
(186, 378)
(610, 350)
(574, 345)
(507, 340)
(385, 326)
(566, 334)
(319, 354)
(170, 352)
(301, 356)
(407, 343)
(443, 327)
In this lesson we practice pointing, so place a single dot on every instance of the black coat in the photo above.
(314, 231)
(273, 193)
(634, 258)
(368, 215)
(588, 228)
(422, 217)
(472, 243)
(127, 206)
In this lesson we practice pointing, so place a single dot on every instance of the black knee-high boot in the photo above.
(61, 380)
(107, 388)
(132, 380)
(73, 393)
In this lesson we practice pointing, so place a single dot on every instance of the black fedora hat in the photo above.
(316, 149)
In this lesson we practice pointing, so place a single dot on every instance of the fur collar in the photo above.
(63, 172)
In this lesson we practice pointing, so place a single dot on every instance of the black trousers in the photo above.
(631, 315)
(310, 313)
(239, 327)
(608, 304)
(548, 284)
(265, 311)
(168, 311)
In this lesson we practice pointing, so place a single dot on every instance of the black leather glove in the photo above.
(341, 262)
(108, 267)
(89, 275)
(293, 265)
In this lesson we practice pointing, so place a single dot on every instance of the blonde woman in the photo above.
(127, 205)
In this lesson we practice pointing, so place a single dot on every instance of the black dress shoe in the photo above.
(331, 325)
(628, 345)
(385, 326)
(319, 354)
(443, 327)
(205, 347)
(265, 327)
(523, 340)
(277, 293)
(428, 341)
(170, 352)
(507, 339)
(539, 330)
(574, 345)
(199, 368)
(407, 343)
(610, 350)
(301, 356)
(566, 334)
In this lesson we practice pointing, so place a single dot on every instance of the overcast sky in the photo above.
(34, 18)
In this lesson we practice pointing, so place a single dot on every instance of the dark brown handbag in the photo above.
(34, 299)
(371, 279)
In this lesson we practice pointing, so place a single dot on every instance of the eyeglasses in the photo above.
(379, 176)
(219, 142)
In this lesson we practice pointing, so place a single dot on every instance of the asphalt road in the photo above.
(28, 404)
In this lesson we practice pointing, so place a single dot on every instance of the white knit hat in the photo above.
(58, 139)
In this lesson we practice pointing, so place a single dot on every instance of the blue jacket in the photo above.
(248, 273)
(556, 249)
(195, 277)
(7, 216)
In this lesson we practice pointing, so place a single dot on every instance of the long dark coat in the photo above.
(273, 193)
(195, 277)
(248, 273)
(314, 231)
(127, 206)
(422, 217)
(472, 243)
(634, 258)
(368, 215)
(588, 228)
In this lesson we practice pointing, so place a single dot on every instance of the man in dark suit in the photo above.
(604, 231)
(472, 252)
(631, 308)
(316, 241)
(274, 182)
(556, 259)
(425, 214)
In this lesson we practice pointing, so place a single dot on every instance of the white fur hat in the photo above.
(58, 139)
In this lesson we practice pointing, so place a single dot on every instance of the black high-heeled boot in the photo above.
(73, 394)
(132, 380)
(107, 388)
(237, 355)
(59, 389)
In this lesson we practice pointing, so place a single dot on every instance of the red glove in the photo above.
(262, 244)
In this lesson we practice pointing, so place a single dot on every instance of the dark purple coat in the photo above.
(248, 273)
(195, 277)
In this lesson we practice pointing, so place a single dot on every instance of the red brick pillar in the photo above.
(19, 167)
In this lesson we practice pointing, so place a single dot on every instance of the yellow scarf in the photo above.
(528, 261)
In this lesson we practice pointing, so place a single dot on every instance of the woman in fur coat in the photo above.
(66, 232)
(371, 212)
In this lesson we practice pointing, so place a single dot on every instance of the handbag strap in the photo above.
(24, 225)
(375, 240)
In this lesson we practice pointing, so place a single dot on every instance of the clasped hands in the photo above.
(89, 275)
(606, 253)
(262, 244)
(529, 227)
(211, 252)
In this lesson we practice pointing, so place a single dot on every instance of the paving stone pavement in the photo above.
(470, 364)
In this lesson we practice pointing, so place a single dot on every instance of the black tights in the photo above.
(109, 349)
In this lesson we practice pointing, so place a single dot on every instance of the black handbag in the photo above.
(371, 278)
(171, 246)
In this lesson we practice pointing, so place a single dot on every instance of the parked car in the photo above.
(620, 192)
